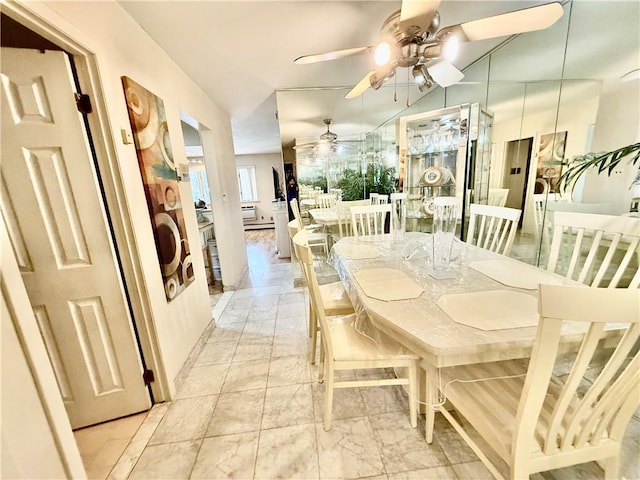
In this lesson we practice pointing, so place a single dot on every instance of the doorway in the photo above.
(516, 173)
(54, 207)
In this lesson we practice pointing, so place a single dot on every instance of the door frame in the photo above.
(114, 197)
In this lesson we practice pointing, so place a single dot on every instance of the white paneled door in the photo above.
(53, 210)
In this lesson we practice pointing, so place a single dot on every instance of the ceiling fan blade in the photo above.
(323, 57)
(520, 21)
(302, 146)
(361, 87)
(444, 73)
(417, 13)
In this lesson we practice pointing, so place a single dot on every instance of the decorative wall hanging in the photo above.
(551, 158)
(160, 179)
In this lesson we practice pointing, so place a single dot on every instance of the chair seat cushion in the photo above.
(350, 345)
(335, 299)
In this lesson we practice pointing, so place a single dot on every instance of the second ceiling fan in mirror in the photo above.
(412, 38)
(327, 143)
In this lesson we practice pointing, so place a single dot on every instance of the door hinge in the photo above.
(83, 103)
(148, 377)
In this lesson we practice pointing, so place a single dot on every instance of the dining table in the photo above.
(483, 308)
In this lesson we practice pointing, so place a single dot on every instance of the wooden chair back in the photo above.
(369, 219)
(326, 200)
(498, 196)
(568, 407)
(493, 228)
(597, 250)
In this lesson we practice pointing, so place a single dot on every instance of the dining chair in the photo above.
(334, 299)
(498, 196)
(492, 228)
(598, 250)
(535, 420)
(378, 198)
(369, 219)
(345, 348)
(316, 239)
(326, 200)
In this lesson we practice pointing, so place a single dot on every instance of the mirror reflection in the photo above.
(504, 135)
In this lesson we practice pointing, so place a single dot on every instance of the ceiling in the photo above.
(241, 53)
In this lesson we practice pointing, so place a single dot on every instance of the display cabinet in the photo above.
(444, 153)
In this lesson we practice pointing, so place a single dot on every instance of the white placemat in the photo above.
(491, 309)
(387, 284)
(516, 274)
(358, 252)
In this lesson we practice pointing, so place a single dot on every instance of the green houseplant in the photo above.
(602, 161)
(376, 178)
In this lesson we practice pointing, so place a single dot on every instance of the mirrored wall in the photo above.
(548, 96)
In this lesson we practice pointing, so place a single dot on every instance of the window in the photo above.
(247, 184)
(199, 186)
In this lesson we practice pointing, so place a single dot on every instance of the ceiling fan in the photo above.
(327, 142)
(412, 38)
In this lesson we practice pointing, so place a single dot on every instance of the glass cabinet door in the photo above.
(444, 153)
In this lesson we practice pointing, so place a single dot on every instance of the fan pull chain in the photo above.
(408, 83)
(395, 88)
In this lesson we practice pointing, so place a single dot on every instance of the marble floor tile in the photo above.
(239, 303)
(290, 344)
(295, 310)
(288, 452)
(265, 300)
(257, 330)
(231, 316)
(348, 450)
(289, 370)
(186, 419)
(472, 471)
(170, 460)
(237, 412)
(347, 402)
(385, 399)
(224, 334)
(228, 456)
(288, 405)
(253, 348)
(136, 446)
(216, 353)
(246, 376)
(455, 448)
(292, 297)
(260, 315)
(200, 381)
(435, 473)
(404, 448)
(290, 325)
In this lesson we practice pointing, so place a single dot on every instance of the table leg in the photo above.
(431, 398)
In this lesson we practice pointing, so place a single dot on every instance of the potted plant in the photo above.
(377, 179)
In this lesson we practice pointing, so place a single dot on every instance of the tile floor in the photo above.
(250, 407)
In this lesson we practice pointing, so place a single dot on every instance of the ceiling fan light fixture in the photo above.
(450, 47)
(382, 54)
(376, 80)
(421, 77)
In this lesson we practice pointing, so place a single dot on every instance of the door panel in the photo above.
(56, 220)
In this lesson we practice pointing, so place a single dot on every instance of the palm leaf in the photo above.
(601, 161)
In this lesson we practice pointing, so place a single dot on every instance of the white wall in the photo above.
(617, 125)
(264, 182)
(121, 48)
(574, 119)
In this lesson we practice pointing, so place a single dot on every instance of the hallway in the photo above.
(250, 406)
